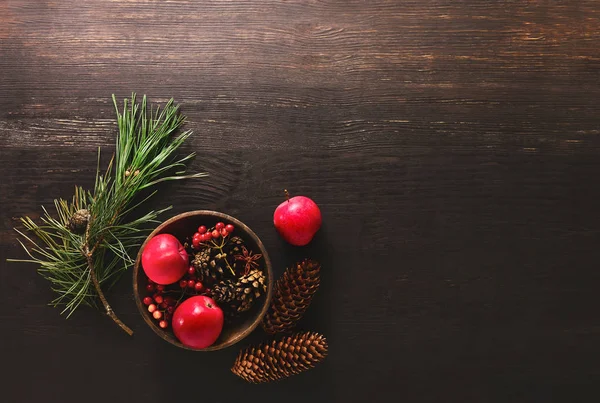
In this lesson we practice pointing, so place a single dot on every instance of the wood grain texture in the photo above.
(453, 147)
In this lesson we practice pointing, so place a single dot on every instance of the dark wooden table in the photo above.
(453, 147)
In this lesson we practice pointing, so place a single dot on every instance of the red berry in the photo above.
(160, 287)
(183, 283)
(157, 314)
(163, 305)
(215, 234)
(150, 287)
(151, 308)
(163, 324)
(198, 286)
(208, 236)
(159, 299)
(191, 270)
(196, 235)
(229, 228)
(219, 226)
(195, 243)
(147, 301)
(202, 229)
(224, 233)
(171, 309)
(191, 283)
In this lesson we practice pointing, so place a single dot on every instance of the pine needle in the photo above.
(80, 266)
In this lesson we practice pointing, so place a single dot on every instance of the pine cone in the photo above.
(280, 359)
(292, 296)
(224, 291)
(201, 259)
(78, 221)
(209, 269)
(249, 288)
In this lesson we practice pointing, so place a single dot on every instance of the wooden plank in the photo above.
(451, 145)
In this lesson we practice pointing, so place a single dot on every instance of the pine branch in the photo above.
(79, 265)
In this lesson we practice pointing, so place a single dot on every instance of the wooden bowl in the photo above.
(182, 226)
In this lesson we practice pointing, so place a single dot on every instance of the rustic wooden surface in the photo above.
(452, 145)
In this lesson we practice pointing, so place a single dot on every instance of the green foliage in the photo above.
(145, 156)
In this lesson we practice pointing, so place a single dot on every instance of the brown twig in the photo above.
(90, 261)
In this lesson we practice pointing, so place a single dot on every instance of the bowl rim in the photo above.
(239, 224)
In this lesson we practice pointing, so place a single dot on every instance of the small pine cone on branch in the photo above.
(281, 358)
(78, 221)
(292, 295)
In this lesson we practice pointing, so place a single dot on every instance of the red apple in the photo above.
(164, 259)
(297, 219)
(198, 322)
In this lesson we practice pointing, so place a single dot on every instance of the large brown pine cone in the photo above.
(281, 358)
(292, 295)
